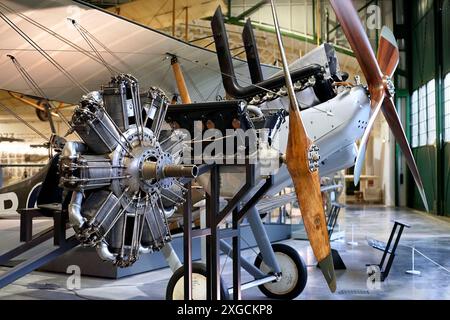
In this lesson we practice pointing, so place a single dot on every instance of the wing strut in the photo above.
(181, 84)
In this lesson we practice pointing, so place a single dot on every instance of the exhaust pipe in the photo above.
(104, 253)
(168, 212)
(76, 220)
(72, 149)
(251, 51)
(145, 250)
(231, 85)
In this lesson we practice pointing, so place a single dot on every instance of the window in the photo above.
(423, 115)
(415, 120)
(447, 107)
(431, 112)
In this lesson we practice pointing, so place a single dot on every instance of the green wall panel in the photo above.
(419, 9)
(446, 179)
(429, 62)
(423, 43)
(446, 69)
(446, 36)
(426, 163)
(422, 70)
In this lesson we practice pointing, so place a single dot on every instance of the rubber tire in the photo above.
(199, 268)
(300, 266)
(42, 115)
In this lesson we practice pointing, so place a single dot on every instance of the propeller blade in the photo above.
(307, 189)
(378, 73)
(388, 55)
(390, 113)
(306, 181)
(388, 58)
(360, 44)
(376, 103)
(358, 40)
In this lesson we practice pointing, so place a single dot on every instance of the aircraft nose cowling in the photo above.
(339, 122)
(335, 126)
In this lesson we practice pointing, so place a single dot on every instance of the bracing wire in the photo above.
(101, 44)
(216, 89)
(37, 89)
(12, 112)
(195, 86)
(91, 45)
(56, 35)
(43, 52)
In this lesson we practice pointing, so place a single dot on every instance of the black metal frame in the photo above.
(332, 217)
(57, 232)
(387, 249)
(331, 223)
(214, 217)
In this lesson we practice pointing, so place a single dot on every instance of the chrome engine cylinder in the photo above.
(117, 103)
(94, 126)
(85, 172)
(156, 232)
(100, 209)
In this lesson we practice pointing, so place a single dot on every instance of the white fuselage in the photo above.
(334, 126)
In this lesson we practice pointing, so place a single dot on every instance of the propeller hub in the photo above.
(389, 86)
(313, 158)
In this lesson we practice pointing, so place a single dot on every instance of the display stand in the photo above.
(416, 272)
(30, 241)
(333, 217)
(353, 242)
(214, 217)
(387, 250)
(337, 259)
(331, 223)
(413, 271)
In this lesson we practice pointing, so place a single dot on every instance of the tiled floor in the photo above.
(430, 235)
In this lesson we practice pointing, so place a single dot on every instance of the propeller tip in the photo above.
(356, 178)
(327, 268)
(424, 199)
(359, 163)
(389, 36)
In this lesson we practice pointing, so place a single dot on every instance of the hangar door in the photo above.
(429, 107)
(446, 103)
(423, 107)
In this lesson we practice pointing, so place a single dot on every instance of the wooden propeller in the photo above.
(299, 154)
(378, 72)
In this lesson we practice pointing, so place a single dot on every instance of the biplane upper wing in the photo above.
(32, 31)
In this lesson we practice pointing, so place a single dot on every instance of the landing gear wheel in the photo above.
(293, 274)
(175, 287)
(42, 115)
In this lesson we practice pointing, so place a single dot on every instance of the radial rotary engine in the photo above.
(124, 185)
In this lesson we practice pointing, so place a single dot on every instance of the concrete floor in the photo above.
(429, 234)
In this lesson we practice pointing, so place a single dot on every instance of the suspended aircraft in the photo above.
(122, 179)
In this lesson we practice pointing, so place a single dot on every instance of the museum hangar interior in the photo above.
(225, 149)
